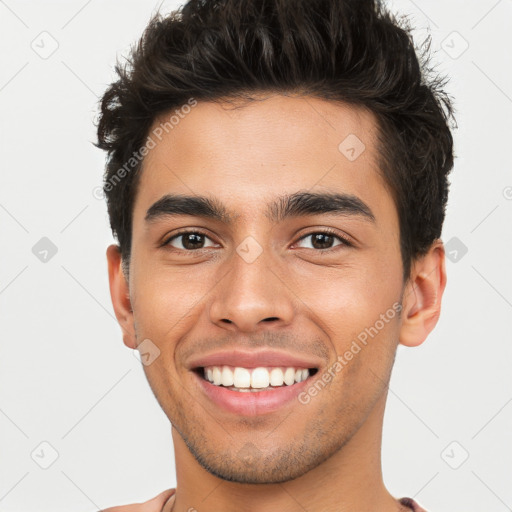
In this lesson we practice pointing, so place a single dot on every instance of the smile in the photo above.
(252, 391)
(255, 379)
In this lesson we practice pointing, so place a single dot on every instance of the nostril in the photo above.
(271, 318)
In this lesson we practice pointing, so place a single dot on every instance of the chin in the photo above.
(251, 466)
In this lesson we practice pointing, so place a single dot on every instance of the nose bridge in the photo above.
(251, 292)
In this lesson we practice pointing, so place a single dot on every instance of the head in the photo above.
(306, 150)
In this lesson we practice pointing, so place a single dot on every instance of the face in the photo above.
(291, 259)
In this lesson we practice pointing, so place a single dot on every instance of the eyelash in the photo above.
(344, 241)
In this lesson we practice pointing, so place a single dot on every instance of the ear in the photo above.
(120, 295)
(421, 303)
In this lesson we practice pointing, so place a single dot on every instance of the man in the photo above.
(277, 182)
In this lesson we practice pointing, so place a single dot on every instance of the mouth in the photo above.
(256, 380)
(252, 391)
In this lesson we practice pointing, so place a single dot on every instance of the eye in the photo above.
(324, 240)
(188, 241)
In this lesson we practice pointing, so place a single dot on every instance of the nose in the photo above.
(251, 296)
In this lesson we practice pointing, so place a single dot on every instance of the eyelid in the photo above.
(185, 231)
(345, 240)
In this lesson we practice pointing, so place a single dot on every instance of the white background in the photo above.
(67, 379)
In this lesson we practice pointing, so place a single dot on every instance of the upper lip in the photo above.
(253, 359)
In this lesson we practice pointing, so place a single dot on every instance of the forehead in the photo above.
(246, 153)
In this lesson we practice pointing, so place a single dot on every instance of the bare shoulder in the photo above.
(155, 504)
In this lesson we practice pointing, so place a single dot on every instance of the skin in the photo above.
(324, 455)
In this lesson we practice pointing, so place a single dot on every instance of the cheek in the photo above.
(165, 299)
(346, 301)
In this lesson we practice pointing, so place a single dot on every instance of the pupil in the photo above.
(320, 238)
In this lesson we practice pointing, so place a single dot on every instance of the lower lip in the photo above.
(251, 403)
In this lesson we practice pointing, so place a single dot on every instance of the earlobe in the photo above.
(120, 295)
(422, 296)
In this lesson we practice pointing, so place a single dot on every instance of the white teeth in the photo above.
(289, 376)
(260, 378)
(276, 377)
(241, 378)
(217, 375)
(254, 379)
(227, 376)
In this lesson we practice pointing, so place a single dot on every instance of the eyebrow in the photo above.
(284, 207)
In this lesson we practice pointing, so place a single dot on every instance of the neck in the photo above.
(349, 480)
